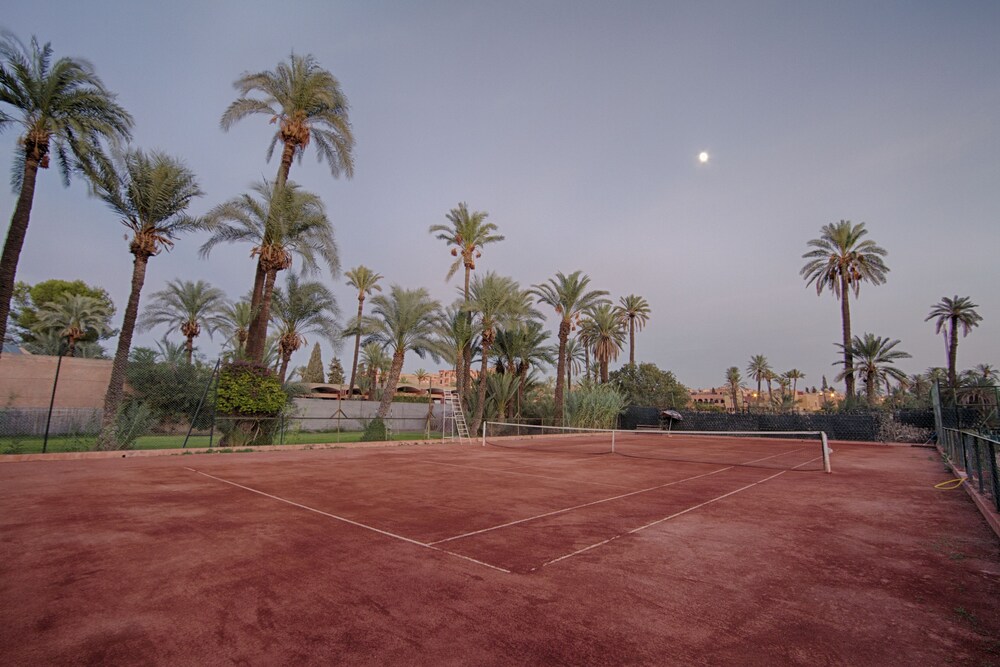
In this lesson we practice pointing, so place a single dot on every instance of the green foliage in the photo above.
(647, 386)
(375, 431)
(249, 389)
(29, 299)
(594, 406)
(134, 419)
(171, 391)
(335, 373)
(314, 369)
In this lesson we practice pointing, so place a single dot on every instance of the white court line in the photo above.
(576, 507)
(672, 516)
(346, 520)
(523, 474)
(605, 500)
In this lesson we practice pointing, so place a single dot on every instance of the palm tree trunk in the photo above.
(116, 385)
(953, 353)
(15, 241)
(265, 313)
(522, 373)
(357, 346)
(189, 349)
(477, 419)
(390, 385)
(586, 360)
(631, 340)
(871, 386)
(467, 351)
(255, 340)
(560, 371)
(845, 316)
(604, 371)
(285, 358)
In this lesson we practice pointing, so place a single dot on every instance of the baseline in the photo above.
(349, 521)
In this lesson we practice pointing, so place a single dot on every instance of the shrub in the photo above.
(375, 431)
(594, 406)
(249, 389)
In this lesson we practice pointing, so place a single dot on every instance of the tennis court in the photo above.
(551, 549)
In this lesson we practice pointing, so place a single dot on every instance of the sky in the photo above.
(577, 127)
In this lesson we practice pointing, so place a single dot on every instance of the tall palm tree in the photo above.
(187, 306)
(952, 314)
(75, 317)
(569, 296)
(402, 321)
(366, 282)
(840, 261)
(735, 382)
(605, 332)
(376, 363)
(876, 356)
(150, 192)
(302, 308)
(635, 311)
(281, 222)
(757, 369)
(467, 232)
(522, 348)
(236, 323)
(494, 301)
(795, 375)
(63, 109)
(453, 334)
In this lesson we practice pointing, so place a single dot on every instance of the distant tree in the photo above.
(302, 308)
(735, 382)
(634, 311)
(376, 364)
(876, 356)
(468, 232)
(604, 330)
(402, 321)
(74, 318)
(950, 315)
(236, 324)
(63, 109)
(794, 375)
(758, 370)
(840, 261)
(186, 306)
(365, 281)
(647, 385)
(335, 372)
(420, 375)
(314, 369)
(28, 299)
(569, 297)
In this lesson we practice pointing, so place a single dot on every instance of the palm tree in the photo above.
(522, 348)
(605, 332)
(952, 314)
(795, 375)
(840, 261)
(63, 109)
(280, 222)
(375, 362)
(150, 192)
(634, 310)
(468, 232)
(576, 357)
(75, 317)
(876, 357)
(365, 281)
(758, 370)
(735, 382)
(420, 376)
(494, 301)
(402, 321)
(187, 306)
(236, 321)
(302, 308)
(569, 297)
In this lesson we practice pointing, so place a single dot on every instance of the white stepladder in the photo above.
(453, 410)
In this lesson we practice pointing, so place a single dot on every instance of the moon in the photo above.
(703, 157)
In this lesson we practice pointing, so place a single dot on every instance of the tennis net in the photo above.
(785, 450)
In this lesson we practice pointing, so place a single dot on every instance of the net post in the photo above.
(826, 451)
(484, 433)
(613, 433)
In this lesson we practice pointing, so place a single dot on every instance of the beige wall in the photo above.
(26, 381)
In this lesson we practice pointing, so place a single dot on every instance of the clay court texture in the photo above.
(449, 554)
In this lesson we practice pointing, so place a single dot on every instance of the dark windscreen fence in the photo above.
(914, 426)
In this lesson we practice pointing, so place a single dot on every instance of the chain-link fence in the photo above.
(172, 405)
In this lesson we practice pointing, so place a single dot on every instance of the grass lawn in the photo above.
(82, 443)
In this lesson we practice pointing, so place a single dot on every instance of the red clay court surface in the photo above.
(448, 554)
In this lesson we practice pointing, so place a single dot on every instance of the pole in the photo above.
(200, 403)
(52, 401)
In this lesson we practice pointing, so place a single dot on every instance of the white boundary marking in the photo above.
(348, 521)
(523, 474)
(672, 516)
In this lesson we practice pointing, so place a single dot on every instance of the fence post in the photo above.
(201, 402)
